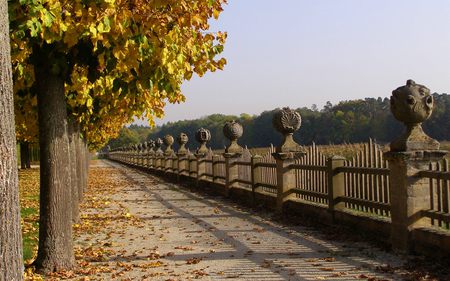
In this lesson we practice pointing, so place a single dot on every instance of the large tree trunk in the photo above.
(11, 265)
(73, 171)
(55, 251)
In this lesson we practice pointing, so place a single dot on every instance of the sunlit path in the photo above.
(170, 233)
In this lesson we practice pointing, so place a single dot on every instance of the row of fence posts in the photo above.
(409, 158)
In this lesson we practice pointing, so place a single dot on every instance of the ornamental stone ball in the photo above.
(168, 142)
(182, 141)
(158, 144)
(287, 121)
(151, 146)
(233, 131)
(412, 104)
(202, 136)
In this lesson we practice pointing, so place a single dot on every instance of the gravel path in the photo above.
(165, 232)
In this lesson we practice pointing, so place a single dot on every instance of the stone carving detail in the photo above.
(287, 121)
(158, 144)
(150, 145)
(412, 104)
(168, 142)
(202, 136)
(182, 141)
(233, 131)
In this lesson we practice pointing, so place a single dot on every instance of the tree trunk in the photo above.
(23, 161)
(11, 265)
(55, 251)
(27, 156)
(87, 164)
(73, 171)
(80, 161)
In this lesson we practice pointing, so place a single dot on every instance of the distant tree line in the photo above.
(346, 122)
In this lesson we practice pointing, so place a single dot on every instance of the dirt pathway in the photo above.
(137, 227)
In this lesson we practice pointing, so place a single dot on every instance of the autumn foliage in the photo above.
(119, 58)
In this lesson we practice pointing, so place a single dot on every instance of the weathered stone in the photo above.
(233, 131)
(182, 141)
(412, 104)
(168, 142)
(158, 144)
(287, 121)
(410, 193)
(202, 136)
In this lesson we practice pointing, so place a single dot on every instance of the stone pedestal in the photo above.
(231, 171)
(215, 159)
(336, 184)
(158, 161)
(168, 161)
(285, 177)
(409, 194)
(182, 165)
(201, 167)
(151, 160)
(256, 174)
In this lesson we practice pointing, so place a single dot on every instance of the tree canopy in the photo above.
(119, 58)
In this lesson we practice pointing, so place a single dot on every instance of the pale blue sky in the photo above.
(302, 52)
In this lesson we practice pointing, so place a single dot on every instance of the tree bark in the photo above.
(55, 251)
(11, 265)
(80, 165)
(73, 171)
(87, 164)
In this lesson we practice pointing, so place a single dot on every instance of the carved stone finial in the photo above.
(233, 131)
(182, 141)
(287, 121)
(158, 144)
(202, 136)
(412, 104)
(151, 146)
(168, 142)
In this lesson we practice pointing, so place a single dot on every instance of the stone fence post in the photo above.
(256, 174)
(168, 154)
(158, 154)
(409, 154)
(215, 168)
(286, 121)
(336, 184)
(232, 131)
(231, 172)
(202, 136)
(151, 155)
(182, 156)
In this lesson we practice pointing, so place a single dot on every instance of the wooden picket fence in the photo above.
(366, 177)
